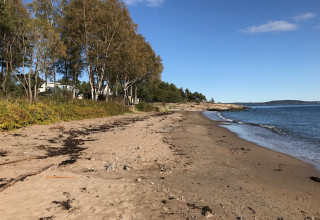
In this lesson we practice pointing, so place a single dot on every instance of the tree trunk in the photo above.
(29, 85)
(107, 94)
(74, 85)
(135, 94)
(91, 81)
(2, 71)
(35, 92)
(54, 79)
(4, 83)
(117, 86)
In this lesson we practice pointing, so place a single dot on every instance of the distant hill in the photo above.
(278, 102)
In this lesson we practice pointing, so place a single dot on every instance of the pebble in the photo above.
(207, 211)
(111, 166)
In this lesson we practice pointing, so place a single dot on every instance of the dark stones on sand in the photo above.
(111, 166)
(316, 179)
(206, 211)
(125, 167)
(3, 153)
(252, 210)
(164, 201)
(63, 204)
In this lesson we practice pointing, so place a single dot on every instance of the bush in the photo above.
(20, 113)
(145, 107)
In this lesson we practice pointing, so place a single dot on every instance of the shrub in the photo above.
(146, 107)
(20, 113)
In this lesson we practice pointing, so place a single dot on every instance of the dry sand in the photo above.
(150, 166)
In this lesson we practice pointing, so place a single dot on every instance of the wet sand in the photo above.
(150, 166)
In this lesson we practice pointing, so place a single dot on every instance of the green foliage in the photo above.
(20, 113)
(211, 101)
(165, 92)
(146, 107)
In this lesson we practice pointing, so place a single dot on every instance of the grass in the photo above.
(16, 114)
(146, 107)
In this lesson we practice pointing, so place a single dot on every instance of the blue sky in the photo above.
(236, 50)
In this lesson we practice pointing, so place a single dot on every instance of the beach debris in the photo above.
(239, 218)
(252, 210)
(139, 156)
(125, 167)
(164, 201)
(92, 169)
(311, 218)
(47, 218)
(206, 211)
(66, 162)
(111, 166)
(138, 179)
(316, 179)
(83, 189)
(279, 218)
(60, 177)
(3, 153)
(163, 169)
(23, 176)
(64, 204)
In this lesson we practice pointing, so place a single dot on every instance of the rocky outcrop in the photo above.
(200, 107)
(225, 107)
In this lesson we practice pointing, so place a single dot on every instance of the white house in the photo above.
(50, 86)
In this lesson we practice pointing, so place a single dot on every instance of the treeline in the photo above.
(50, 38)
(165, 92)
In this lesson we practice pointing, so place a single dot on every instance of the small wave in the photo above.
(224, 118)
(270, 127)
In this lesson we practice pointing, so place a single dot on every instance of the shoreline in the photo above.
(151, 166)
(242, 133)
(266, 181)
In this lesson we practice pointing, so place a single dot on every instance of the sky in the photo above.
(236, 50)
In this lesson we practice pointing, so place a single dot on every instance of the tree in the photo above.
(11, 18)
(46, 42)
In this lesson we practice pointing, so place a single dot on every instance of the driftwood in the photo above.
(60, 177)
(23, 176)
(15, 161)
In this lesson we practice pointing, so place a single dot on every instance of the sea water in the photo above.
(290, 129)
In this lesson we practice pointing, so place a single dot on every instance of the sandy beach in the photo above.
(149, 166)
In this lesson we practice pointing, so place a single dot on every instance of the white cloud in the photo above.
(304, 17)
(151, 3)
(273, 26)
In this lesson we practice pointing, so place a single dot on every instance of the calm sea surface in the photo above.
(294, 129)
